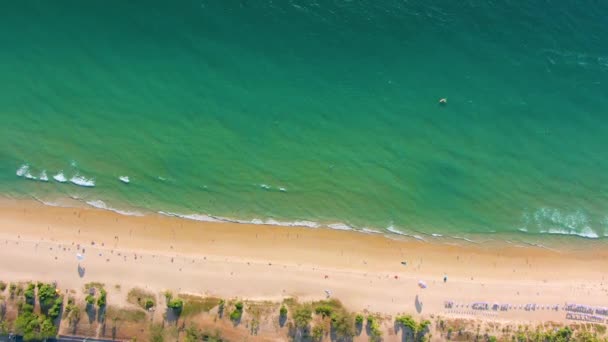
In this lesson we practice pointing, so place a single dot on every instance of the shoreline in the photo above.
(255, 261)
(550, 241)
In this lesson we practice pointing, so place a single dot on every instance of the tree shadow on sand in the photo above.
(91, 312)
(282, 320)
(418, 304)
(81, 271)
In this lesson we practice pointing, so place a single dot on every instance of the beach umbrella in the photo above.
(79, 257)
(422, 284)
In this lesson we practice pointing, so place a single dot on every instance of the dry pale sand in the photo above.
(39, 242)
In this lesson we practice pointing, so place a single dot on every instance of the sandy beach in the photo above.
(364, 271)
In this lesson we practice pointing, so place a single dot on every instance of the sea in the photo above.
(315, 113)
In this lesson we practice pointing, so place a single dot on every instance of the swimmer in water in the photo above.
(443, 101)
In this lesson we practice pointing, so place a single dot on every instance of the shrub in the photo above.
(359, 319)
(237, 313)
(56, 308)
(302, 317)
(148, 304)
(324, 310)
(176, 304)
(192, 334)
(12, 288)
(317, 333)
(29, 293)
(283, 311)
(375, 334)
(101, 301)
(25, 308)
(343, 326)
(46, 294)
(34, 327)
(2, 286)
(168, 296)
(90, 299)
(239, 305)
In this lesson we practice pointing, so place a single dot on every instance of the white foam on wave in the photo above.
(23, 170)
(586, 232)
(194, 217)
(82, 181)
(340, 226)
(60, 177)
(102, 205)
(282, 189)
(436, 235)
(43, 176)
(394, 230)
(270, 222)
(124, 179)
(265, 186)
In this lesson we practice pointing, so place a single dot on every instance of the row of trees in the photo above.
(33, 326)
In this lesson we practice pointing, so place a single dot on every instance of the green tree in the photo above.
(302, 317)
(375, 334)
(283, 311)
(343, 326)
(324, 310)
(317, 333)
(192, 334)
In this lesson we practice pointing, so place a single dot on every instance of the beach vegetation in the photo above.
(324, 310)
(30, 294)
(194, 305)
(125, 314)
(168, 296)
(342, 325)
(302, 317)
(192, 334)
(12, 289)
(34, 327)
(55, 309)
(157, 333)
(283, 311)
(101, 301)
(176, 304)
(47, 294)
(90, 299)
(72, 313)
(237, 313)
(142, 298)
(317, 333)
(416, 330)
(93, 285)
(220, 307)
(211, 337)
(359, 319)
(2, 286)
(373, 329)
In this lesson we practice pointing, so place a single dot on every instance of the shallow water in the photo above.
(316, 113)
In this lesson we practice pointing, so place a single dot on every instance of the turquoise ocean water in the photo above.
(320, 113)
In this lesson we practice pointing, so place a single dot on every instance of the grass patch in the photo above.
(94, 285)
(194, 305)
(141, 298)
(125, 315)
